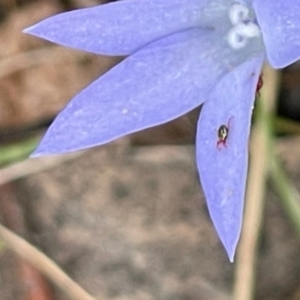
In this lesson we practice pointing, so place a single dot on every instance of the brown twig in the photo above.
(259, 165)
(46, 266)
(35, 165)
(34, 285)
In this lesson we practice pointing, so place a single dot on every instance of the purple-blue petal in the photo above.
(280, 24)
(223, 168)
(158, 83)
(119, 28)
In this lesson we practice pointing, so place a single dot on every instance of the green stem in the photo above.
(289, 195)
(15, 152)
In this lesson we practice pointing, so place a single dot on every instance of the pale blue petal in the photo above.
(223, 170)
(155, 85)
(280, 24)
(119, 28)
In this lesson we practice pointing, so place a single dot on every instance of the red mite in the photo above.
(260, 84)
(223, 132)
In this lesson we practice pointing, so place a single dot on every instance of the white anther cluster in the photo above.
(243, 27)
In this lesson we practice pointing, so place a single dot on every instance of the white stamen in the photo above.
(238, 13)
(249, 30)
(235, 39)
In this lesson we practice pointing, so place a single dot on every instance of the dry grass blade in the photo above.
(46, 266)
(31, 166)
(259, 166)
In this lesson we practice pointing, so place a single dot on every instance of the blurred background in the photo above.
(127, 220)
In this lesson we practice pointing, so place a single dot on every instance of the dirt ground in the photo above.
(132, 224)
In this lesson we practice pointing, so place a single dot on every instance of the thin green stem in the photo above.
(16, 152)
(286, 126)
(289, 195)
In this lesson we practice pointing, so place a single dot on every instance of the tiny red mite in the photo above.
(223, 132)
(260, 84)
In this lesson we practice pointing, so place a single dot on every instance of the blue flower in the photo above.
(181, 53)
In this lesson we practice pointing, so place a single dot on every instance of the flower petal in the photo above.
(158, 83)
(223, 168)
(119, 28)
(280, 24)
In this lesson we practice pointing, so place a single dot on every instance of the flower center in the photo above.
(244, 27)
